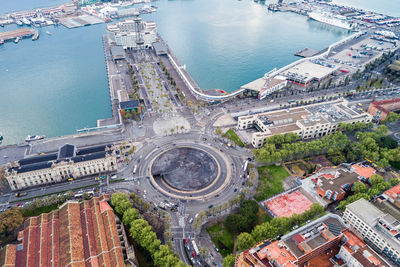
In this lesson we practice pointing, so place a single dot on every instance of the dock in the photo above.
(306, 52)
(21, 33)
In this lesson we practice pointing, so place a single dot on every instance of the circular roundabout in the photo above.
(185, 168)
(190, 171)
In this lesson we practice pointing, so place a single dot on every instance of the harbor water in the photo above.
(387, 7)
(58, 83)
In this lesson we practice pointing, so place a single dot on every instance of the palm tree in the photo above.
(182, 128)
(165, 132)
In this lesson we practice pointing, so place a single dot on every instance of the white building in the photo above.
(66, 164)
(124, 33)
(379, 229)
(308, 122)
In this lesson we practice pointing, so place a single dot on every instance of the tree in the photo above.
(359, 187)
(218, 130)
(120, 202)
(237, 223)
(10, 220)
(376, 179)
(245, 241)
(130, 215)
(229, 261)
(249, 210)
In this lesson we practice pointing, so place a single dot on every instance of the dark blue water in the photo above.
(58, 84)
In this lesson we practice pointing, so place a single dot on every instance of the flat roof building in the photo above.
(308, 122)
(117, 53)
(76, 234)
(266, 85)
(379, 229)
(310, 71)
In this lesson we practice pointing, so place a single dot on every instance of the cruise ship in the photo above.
(330, 19)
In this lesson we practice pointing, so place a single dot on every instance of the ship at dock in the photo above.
(331, 19)
(31, 138)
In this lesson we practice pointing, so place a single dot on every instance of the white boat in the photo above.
(31, 138)
(16, 40)
(26, 21)
(330, 19)
(19, 23)
(48, 33)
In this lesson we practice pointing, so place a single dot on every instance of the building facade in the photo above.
(379, 110)
(379, 229)
(125, 33)
(307, 122)
(68, 163)
(77, 234)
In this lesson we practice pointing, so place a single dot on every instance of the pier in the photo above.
(306, 52)
(21, 33)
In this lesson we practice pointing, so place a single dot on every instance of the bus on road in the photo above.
(134, 169)
(195, 248)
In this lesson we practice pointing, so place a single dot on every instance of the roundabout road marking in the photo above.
(219, 189)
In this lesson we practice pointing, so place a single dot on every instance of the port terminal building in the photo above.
(312, 121)
(68, 163)
(76, 234)
(133, 33)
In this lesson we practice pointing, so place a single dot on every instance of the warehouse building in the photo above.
(76, 234)
(308, 122)
(68, 163)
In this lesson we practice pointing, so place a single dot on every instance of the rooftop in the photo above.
(393, 192)
(129, 104)
(314, 234)
(339, 182)
(364, 171)
(309, 70)
(365, 210)
(77, 234)
(288, 204)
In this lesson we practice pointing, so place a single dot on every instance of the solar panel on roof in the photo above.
(334, 228)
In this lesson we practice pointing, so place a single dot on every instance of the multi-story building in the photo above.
(334, 186)
(379, 229)
(299, 247)
(77, 234)
(308, 122)
(355, 253)
(68, 163)
(379, 110)
(125, 33)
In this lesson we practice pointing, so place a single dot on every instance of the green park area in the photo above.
(233, 136)
(270, 181)
(222, 238)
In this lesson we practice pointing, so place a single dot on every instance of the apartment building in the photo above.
(298, 248)
(308, 122)
(379, 229)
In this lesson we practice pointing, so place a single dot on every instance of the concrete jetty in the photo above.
(21, 33)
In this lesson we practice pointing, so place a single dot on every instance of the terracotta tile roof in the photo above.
(393, 192)
(364, 171)
(76, 235)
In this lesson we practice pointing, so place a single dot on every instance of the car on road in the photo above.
(20, 194)
(193, 254)
(70, 179)
(235, 190)
(210, 206)
(186, 240)
(20, 204)
(190, 221)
